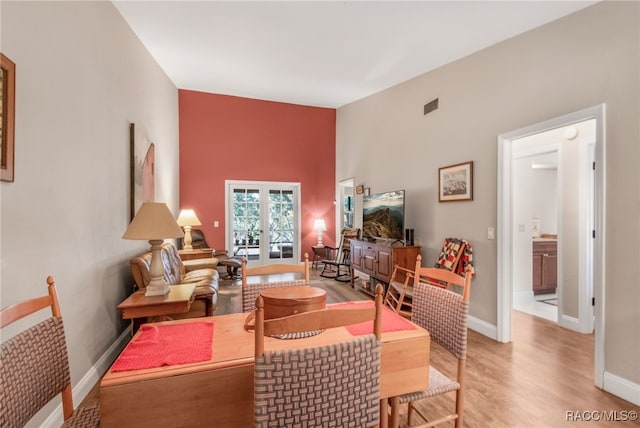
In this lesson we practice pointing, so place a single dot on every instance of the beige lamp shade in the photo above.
(154, 223)
(188, 218)
(319, 226)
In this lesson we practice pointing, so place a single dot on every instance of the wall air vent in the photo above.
(431, 106)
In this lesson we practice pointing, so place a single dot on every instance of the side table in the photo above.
(220, 253)
(204, 253)
(320, 252)
(156, 308)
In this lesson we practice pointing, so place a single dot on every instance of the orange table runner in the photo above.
(167, 345)
(391, 321)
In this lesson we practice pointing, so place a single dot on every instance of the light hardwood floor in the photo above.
(534, 381)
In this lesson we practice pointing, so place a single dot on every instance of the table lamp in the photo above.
(154, 222)
(319, 225)
(186, 219)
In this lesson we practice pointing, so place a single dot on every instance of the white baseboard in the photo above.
(483, 327)
(622, 388)
(571, 323)
(88, 381)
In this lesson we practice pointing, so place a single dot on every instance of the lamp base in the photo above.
(187, 239)
(157, 289)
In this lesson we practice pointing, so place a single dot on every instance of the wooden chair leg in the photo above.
(384, 413)
(395, 412)
(409, 413)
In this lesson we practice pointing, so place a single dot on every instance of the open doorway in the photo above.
(535, 212)
(552, 206)
(580, 237)
(345, 205)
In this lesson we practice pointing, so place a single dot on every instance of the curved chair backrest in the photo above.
(35, 366)
(283, 374)
(441, 311)
(440, 277)
(251, 290)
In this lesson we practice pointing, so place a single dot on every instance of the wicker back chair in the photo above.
(35, 366)
(251, 289)
(292, 385)
(444, 314)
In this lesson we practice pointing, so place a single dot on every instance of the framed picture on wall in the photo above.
(141, 169)
(360, 189)
(455, 182)
(7, 117)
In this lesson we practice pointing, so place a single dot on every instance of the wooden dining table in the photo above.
(218, 392)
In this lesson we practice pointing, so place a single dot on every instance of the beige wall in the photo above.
(582, 60)
(81, 78)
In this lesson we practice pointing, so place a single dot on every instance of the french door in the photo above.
(263, 221)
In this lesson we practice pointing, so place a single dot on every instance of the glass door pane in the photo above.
(281, 224)
(246, 223)
(263, 222)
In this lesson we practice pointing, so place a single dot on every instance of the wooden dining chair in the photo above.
(35, 366)
(444, 313)
(440, 277)
(251, 290)
(399, 292)
(399, 295)
(333, 385)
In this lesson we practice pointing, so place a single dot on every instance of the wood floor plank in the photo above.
(532, 382)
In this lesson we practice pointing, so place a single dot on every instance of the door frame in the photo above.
(505, 228)
(228, 234)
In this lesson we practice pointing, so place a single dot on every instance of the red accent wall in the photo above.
(232, 138)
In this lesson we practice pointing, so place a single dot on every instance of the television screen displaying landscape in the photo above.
(383, 215)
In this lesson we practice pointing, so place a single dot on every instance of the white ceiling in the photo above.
(322, 53)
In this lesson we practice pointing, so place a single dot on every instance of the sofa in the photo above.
(202, 272)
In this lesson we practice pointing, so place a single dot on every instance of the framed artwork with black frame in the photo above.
(455, 182)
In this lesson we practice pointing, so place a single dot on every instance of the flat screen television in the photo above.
(383, 215)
